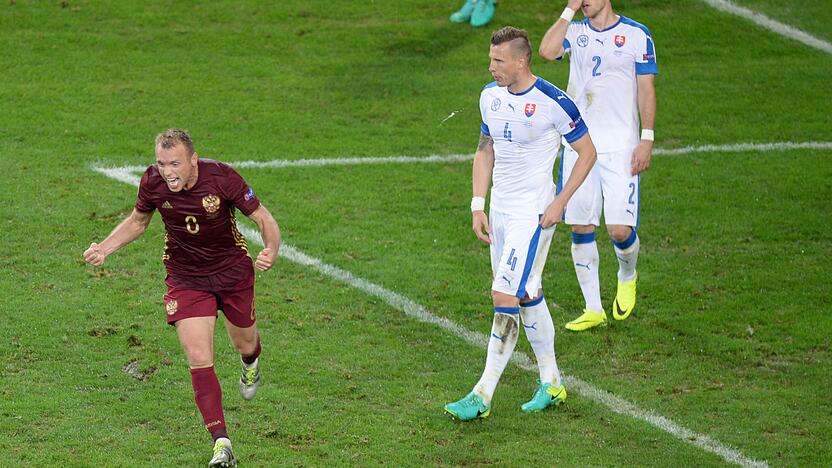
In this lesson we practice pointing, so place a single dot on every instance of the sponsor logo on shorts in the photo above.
(171, 306)
(211, 203)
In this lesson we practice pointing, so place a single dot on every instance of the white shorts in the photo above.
(609, 185)
(519, 247)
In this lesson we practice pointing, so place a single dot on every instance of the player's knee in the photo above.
(619, 233)
(246, 346)
(199, 356)
(504, 300)
(583, 229)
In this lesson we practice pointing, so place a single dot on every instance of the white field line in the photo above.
(772, 25)
(418, 312)
(124, 171)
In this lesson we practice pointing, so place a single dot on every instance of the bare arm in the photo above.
(483, 166)
(551, 47)
(126, 232)
(586, 159)
(271, 237)
(647, 111)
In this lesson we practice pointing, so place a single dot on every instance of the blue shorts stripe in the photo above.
(507, 310)
(527, 268)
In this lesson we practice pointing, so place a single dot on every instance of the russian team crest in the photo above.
(171, 306)
(529, 109)
(620, 40)
(211, 203)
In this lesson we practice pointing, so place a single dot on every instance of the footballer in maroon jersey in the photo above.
(208, 265)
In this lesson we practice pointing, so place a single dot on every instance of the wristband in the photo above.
(568, 14)
(477, 204)
(646, 134)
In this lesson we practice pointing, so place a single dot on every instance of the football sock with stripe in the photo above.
(585, 259)
(540, 331)
(627, 253)
(504, 331)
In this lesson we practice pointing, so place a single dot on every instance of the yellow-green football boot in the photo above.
(223, 455)
(545, 396)
(625, 299)
(587, 320)
(469, 408)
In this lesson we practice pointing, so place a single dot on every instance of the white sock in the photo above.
(627, 253)
(585, 259)
(504, 331)
(537, 321)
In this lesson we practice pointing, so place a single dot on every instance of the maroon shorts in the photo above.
(231, 291)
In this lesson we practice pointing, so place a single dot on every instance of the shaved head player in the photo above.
(208, 266)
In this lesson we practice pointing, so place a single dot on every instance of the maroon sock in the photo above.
(253, 357)
(208, 397)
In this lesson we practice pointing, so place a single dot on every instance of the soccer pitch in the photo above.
(726, 359)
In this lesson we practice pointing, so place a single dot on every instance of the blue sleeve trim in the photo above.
(578, 238)
(490, 85)
(576, 134)
(484, 129)
(649, 68)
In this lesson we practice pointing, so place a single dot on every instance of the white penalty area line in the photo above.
(772, 25)
(130, 174)
(421, 314)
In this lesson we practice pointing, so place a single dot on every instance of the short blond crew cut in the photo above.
(173, 137)
(518, 38)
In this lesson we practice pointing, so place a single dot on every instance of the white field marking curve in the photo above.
(772, 25)
(416, 311)
(120, 173)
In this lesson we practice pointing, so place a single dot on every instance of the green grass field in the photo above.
(731, 337)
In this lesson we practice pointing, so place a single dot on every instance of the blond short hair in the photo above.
(518, 38)
(173, 137)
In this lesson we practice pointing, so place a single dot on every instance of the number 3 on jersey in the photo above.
(597, 60)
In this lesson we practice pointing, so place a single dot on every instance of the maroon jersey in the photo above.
(201, 237)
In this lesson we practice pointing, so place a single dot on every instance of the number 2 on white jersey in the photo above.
(597, 60)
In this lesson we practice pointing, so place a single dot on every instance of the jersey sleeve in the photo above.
(646, 54)
(144, 201)
(238, 191)
(567, 119)
(568, 39)
(483, 110)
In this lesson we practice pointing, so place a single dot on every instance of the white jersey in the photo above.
(602, 78)
(526, 129)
